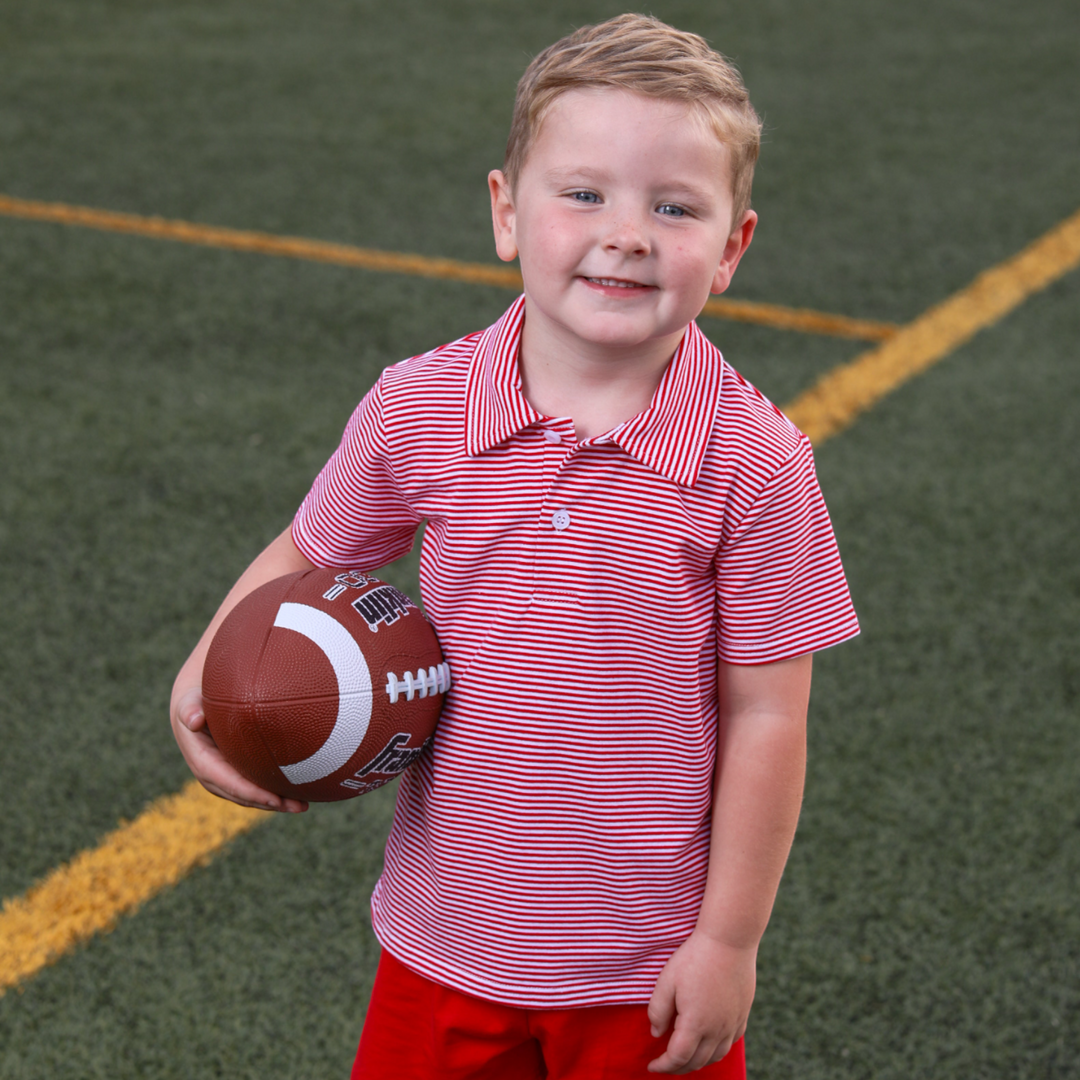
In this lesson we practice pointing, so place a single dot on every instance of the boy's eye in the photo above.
(671, 210)
(585, 196)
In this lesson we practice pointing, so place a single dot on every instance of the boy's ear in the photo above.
(734, 249)
(502, 215)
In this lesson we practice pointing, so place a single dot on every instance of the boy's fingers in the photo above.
(235, 797)
(662, 1005)
(688, 1053)
(691, 1047)
(256, 798)
(221, 779)
(679, 1055)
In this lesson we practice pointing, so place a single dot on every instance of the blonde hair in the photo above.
(642, 54)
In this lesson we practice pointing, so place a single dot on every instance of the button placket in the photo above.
(553, 516)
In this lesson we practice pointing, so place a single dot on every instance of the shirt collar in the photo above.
(670, 436)
(495, 407)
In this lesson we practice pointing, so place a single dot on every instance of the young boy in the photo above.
(628, 563)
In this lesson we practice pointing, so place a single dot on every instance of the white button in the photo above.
(552, 436)
(560, 520)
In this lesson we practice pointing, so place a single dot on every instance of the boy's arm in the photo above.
(708, 985)
(186, 708)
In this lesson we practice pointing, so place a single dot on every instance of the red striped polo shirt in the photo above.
(550, 850)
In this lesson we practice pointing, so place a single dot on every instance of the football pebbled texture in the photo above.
(324, 685)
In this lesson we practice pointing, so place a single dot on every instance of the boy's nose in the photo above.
(627, 235)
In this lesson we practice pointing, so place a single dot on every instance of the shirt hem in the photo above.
(577, 997)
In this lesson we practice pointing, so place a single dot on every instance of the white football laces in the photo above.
(436, 680)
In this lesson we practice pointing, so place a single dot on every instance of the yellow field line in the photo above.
(841, 394)
(804, 319)
(181, 831)
(130, 865)
(296, 247)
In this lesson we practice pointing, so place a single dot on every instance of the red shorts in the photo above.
(416, 1029)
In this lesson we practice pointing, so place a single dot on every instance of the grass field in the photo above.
(164, 407)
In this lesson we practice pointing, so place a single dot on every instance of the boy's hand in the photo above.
(186, 713)
(708, 988)
(209, 765)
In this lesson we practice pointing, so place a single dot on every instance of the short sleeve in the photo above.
(356, 514)
(781, 590)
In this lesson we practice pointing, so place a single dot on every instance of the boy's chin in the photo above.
(627, 332)
(595, 326)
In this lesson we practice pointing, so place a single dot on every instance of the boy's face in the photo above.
(621, 217)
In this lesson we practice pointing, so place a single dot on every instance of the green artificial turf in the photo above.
(163, 408)
(928, 924)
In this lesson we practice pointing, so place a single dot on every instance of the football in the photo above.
(324, 685)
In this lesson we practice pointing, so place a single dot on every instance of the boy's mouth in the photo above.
(616, 283)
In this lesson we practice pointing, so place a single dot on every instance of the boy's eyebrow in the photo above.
(567, 173)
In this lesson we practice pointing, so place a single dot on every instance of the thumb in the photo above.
(662, 1003)
(189, 709)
